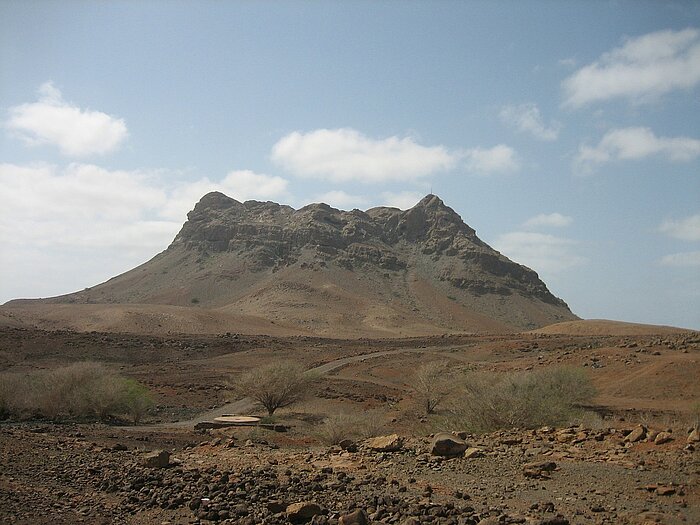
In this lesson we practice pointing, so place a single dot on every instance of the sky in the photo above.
(566, 133)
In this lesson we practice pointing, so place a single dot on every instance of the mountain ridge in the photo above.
(319, 268)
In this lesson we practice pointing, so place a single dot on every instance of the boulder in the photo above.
(156, 459)
(303, 511)
(663, 437)
(390, 443)
(473, 452)
(445, 444)
(357, 517)
(637, 434)
(694, 436)
(539, 469)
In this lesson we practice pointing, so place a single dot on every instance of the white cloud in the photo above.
(556, 220)
(84, 204)
(527, 118)
(342, 200)
(83, 223)
(343, 155)
(77, 132)
(539, 251)
(241, 185)
(642, 68)
(682, 259)
(402, 199)
(687, 229)
(633, 144)
(485, 161)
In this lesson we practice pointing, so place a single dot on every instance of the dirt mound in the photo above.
(319, 270)
(607, 327)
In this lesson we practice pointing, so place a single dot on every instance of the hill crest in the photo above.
(322, 269)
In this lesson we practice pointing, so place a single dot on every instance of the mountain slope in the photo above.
(326, 271)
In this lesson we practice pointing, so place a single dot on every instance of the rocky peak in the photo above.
(269, 236)
(215, 200)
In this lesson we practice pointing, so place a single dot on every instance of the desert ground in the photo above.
(90, 472)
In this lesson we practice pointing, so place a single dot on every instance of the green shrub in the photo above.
(137, 400)
(551, 396)
(78, 391)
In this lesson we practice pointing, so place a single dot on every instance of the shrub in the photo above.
(274, 386)
(137, 400)
(337, 427)
(432, 384)
(82, 390)
(527, 400)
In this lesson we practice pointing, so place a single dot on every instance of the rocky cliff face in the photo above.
(271, 236)
(323, 271)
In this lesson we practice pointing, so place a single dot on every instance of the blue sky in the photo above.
(566, 133)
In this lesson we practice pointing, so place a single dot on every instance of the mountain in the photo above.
(324, 271)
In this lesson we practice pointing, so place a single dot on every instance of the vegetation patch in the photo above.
(488, 402)
(84, 390)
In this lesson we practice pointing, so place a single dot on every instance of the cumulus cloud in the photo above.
(642, 68)
(556, 220)
(687, 229)
(541, 252)
(84, 204)
(681, 259)
(527, 118)
(59, 219)
(343, 155)
(77, 132)
(486, 161)
(635, 143)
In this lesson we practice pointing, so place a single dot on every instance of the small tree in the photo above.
(432, 384)
(277, 385)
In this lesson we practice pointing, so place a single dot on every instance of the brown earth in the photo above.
(70, 473)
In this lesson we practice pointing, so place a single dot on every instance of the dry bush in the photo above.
(694, 415)
(552, 396)
(11, 401)
(276, 385)
(432, 384)
(82, 390)
(337, 427)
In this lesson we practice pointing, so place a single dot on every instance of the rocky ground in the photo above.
(98, 474)
(615, 472)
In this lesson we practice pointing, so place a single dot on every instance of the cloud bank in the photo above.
(635, 143)
(687, 229)
(539, 251)
(487, 161)
(343, 155)
(555, 220)
(641, 69)
(528, 119)
(86, 205)
(346, 155)
(76, 132)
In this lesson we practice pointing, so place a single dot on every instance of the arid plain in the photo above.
(364, 300)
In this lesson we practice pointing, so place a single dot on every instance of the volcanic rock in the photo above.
(383, 270)
(444, 444)
(390, 443)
